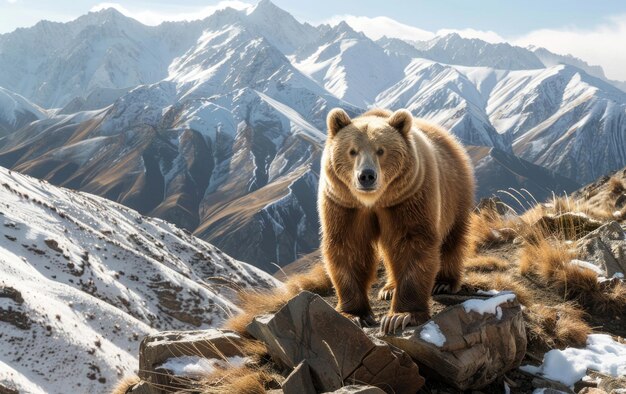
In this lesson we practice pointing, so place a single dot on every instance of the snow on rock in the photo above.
(432, 333)
(568, 366)
(490, 305)
(587, 265)
(83, 279)
(197, 367)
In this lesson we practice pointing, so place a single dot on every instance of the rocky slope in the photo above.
(83, 279)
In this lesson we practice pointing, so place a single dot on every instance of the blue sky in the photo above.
(592, 30)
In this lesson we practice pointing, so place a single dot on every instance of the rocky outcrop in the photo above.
(468, 345)
(336, 350)
(606, 249)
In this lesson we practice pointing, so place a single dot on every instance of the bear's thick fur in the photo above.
(400, 189)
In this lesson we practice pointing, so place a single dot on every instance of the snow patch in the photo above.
(570, 365)
(491, 305)
(198, 367)
(431, 333)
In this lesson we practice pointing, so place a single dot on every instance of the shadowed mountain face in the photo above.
(218, 125)
(514, 179)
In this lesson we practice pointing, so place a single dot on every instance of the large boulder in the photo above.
(470, 344)
(337, 351)
(606, 249)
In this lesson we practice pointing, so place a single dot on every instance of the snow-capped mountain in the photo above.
(217, 125)
(454, 49)
(16, 111)
(446, 96)
(83, 279)
(350, 65)
(52, 63)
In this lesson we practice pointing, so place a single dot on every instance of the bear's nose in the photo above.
(367, 178)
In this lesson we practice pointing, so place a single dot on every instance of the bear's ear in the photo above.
(401, 120)
(337, 119)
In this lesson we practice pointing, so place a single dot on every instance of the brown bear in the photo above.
(400, 189)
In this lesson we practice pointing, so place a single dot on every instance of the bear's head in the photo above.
(366, 154)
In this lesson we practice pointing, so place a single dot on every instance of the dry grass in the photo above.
(254, 303)
(486, 264)
(556, 326)
(243, 380)
(489, 229)
(545, 257)
(550, 261)
(125, 384)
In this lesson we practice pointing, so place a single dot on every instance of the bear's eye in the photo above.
(352, 152)
(380, 151)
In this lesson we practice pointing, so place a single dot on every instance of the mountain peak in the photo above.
(108, 13)
(344, 30)
(266, 7)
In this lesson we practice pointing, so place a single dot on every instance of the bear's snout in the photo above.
(367, 178)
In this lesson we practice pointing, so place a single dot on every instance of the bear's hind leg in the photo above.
(453, 252)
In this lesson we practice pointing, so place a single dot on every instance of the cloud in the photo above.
(380, 26)
(602, 44)
(156, 17)
(12, 1)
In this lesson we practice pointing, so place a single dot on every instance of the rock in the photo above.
(337, 351)
(358, 389)
(465, 348)
(299, 380)
(605, 248)
(155, 349)
(571, 224)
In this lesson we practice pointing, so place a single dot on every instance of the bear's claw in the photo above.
(391, 323)
(361, 321)
(441, 288)
(394, 321)
(365, 321)
(385, 294)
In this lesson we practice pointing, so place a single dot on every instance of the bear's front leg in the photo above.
(348, 240)
(414, 262)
